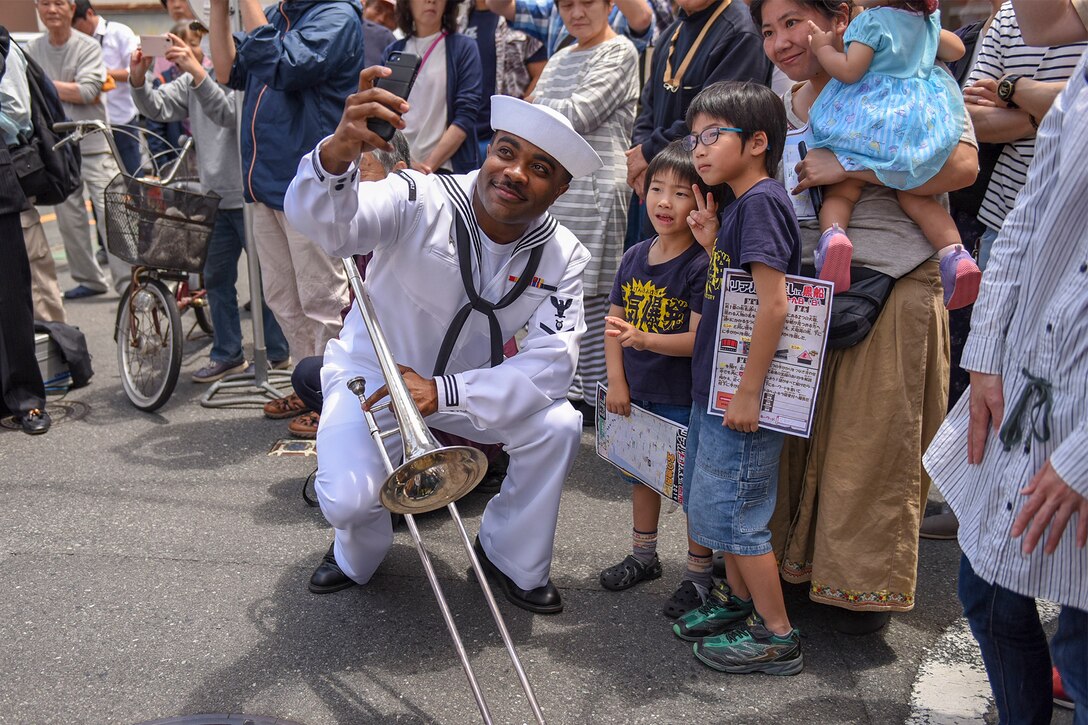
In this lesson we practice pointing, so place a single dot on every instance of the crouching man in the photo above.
(460, 264)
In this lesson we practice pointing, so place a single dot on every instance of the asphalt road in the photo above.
(155, 565)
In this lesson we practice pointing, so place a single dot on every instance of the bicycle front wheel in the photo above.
(149, 344)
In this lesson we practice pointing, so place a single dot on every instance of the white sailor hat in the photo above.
(548, 130)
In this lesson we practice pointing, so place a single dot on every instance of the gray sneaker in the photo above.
(215, 370)
(752, 648)
(940, 527)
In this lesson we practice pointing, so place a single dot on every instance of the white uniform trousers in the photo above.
(518, 526)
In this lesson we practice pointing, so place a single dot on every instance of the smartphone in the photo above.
(405, 67)
(154, 45)
(816, 193)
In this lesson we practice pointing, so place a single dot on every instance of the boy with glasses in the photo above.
(731, 476)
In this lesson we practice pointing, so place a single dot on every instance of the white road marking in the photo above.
(951, 688)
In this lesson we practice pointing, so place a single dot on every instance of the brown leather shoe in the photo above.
(288, 407)
(304, 426)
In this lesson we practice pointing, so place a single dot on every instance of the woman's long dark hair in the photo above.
(407, 24)
(827, 8)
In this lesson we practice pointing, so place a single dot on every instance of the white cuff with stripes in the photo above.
(336, 182)
(450, 393)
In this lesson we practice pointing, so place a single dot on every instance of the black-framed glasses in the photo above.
(708, 137)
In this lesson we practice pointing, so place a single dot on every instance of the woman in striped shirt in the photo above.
(594, 83)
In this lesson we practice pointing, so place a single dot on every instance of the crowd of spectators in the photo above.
(853, 496)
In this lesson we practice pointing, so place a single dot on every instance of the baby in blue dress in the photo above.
(889, 110)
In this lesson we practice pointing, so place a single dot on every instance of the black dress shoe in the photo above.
(35, 422)
(589, 413)
(328, 577)
(542, 600)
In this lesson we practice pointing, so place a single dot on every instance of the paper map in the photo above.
(789, 391)
(644, 445)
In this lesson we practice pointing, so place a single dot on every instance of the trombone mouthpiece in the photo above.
(357, 386)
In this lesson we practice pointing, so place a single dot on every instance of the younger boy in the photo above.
(731, 475)
(656, 300)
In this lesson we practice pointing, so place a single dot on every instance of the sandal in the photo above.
(688, 596)
(629, 572)
(288, 407)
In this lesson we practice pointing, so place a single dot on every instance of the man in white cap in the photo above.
(460, 264)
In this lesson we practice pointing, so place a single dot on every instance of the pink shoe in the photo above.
(961, 278)
(833, 255)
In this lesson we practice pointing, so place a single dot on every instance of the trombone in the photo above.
(431, 476)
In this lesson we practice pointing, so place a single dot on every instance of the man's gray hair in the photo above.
(400, 152)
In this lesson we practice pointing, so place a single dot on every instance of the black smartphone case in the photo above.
(405, 67)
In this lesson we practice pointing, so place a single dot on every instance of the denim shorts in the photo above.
(676, 413)
(730, 485)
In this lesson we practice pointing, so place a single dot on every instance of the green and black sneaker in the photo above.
(722, 611)
(752, 648)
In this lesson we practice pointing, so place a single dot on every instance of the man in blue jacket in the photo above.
(296, 62)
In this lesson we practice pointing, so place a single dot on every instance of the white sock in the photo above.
(950, 249)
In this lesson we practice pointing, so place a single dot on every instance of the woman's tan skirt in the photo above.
(851, 498)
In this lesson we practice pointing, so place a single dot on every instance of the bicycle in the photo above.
(161, 224)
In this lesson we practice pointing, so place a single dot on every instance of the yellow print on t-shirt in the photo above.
(719, 262)
(650, 309)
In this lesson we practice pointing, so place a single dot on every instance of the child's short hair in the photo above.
(674, 159)
(747, 105)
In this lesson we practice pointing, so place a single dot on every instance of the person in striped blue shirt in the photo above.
(1012, 456)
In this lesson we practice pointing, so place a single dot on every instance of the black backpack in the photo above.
(47, 175)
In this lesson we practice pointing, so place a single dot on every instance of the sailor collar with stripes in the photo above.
(540, 230)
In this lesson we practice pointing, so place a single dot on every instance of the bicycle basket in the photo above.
(165, 227)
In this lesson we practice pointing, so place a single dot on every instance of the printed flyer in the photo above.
(789, 392)
(644, 445)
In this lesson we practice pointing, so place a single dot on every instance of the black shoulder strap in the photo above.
(411, 184)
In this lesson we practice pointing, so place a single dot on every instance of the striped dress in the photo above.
(1031, 318)
(596, 89)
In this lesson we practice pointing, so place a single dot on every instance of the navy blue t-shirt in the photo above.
(758, 227)
(659, 298)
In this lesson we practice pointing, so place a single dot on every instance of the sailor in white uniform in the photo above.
(460, 264)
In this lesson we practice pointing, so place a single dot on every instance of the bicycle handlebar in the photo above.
(186, 145)
(77, 130)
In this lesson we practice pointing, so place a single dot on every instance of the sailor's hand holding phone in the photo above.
(372, 115)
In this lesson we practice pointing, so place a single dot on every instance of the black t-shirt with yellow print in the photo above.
(659, 298)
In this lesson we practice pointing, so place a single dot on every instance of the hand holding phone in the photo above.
(405, 67)
(816, 193)
(155, 45)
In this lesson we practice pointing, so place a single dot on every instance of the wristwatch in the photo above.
(1006, 88)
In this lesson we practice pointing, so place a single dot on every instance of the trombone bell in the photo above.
(433, 479)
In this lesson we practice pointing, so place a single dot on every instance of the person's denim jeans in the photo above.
(220, 279)
(985, 244)
(1015, 652)
(129, 148)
